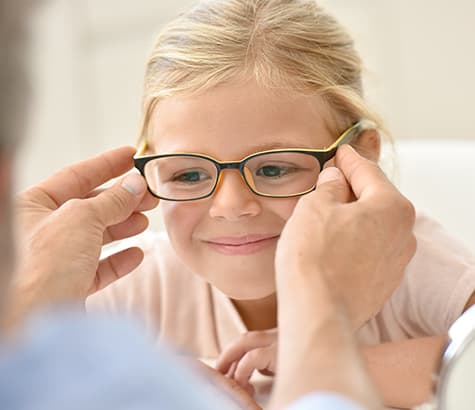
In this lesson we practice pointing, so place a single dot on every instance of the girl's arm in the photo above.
(403, 371)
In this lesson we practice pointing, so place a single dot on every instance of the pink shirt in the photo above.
(179, 307)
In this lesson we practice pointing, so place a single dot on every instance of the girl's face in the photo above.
(230, 238)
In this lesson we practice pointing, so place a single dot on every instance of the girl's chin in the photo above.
(248, 293)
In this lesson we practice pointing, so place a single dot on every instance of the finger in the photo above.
(77, 180)
(232, 369)
(116, 266)
(238, 349)
(249, 389)
(332, 186)
(367, 180)
(363, 175)
(115, 204)
(148, 202)
(243, 396)
(135, 224)
(258, 359)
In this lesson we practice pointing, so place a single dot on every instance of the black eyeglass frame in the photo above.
(322, 155)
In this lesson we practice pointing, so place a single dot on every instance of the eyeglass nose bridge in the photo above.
(229, 165)
(237, 165)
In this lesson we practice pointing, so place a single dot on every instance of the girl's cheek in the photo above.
(284, 207)
(180, 218)
(283, 212)
(172, 212)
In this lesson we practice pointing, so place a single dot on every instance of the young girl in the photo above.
(226, 81)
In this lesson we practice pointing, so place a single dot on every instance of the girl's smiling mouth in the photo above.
(242, 245)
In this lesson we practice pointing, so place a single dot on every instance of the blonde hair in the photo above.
(290, 44)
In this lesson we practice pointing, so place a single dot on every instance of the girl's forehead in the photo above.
(238, 116)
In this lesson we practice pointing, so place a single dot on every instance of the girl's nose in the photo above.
(233, 199)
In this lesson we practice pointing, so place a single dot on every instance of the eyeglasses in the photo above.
(279, 173)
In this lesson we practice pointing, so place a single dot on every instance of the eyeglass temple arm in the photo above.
(141, 148)
(351, 133)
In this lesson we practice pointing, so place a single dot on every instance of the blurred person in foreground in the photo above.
(53, 356)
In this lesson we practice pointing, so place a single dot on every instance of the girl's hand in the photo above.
(252, 351)
(227, 385)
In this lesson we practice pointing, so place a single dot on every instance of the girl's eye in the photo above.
(191, 177)
(273, 171)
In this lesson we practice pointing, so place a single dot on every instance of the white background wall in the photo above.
(89, 60)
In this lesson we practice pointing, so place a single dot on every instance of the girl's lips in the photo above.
(243, 245)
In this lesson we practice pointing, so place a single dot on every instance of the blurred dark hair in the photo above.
(14, 78)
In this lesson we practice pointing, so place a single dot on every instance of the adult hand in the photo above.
(358, 248)
(340, 256)
(65, 220)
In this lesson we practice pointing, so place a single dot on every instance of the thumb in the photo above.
(116, 204)
(333, 185)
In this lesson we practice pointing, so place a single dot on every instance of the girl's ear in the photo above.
(368, 144)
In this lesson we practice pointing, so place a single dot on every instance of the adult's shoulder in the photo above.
(68, 360)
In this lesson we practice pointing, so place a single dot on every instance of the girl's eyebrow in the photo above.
(266, 146)
(276, 145)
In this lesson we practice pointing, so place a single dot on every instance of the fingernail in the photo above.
(329, 174)
(134, 183)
